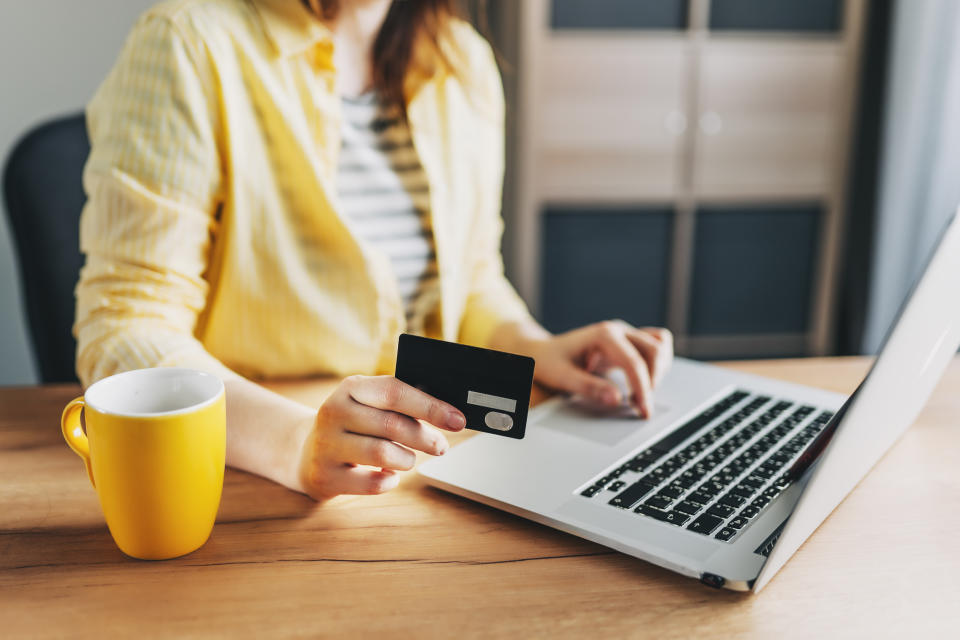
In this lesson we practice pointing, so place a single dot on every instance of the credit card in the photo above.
(491, 388)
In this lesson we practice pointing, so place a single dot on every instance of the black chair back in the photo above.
(44, 196)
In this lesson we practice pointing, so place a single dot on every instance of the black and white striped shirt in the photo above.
(383, 190)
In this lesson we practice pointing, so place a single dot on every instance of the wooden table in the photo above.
(420, 562)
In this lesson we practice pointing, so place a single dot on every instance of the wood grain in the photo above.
(419, 562)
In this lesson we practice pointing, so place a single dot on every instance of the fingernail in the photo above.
(456, 421)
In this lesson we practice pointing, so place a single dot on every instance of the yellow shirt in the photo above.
(214, 154)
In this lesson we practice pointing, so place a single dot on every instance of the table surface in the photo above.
(418, 561)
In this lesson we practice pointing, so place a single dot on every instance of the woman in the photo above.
(279, 188)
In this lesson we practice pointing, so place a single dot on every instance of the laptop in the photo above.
(734, 471)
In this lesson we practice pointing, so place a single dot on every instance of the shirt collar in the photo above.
(290, 26)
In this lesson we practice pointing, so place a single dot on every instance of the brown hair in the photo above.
(406, 21)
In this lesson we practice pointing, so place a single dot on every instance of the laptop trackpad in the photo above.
(600, 425)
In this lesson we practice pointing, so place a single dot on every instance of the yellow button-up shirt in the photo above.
(211, 187)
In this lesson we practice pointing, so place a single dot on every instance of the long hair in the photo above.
(405, 23)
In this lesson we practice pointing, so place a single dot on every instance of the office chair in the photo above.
(44, 195)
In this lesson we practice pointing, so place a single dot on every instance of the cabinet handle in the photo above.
(675, 122)
(711, 123)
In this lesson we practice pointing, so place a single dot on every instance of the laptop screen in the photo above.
(915, 353)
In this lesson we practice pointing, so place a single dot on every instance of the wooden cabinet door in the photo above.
(770, 119)
(609, 117)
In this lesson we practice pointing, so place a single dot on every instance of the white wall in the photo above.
(53, 54)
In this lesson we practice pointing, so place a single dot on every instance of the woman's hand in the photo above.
(374, 422)
(576, 361)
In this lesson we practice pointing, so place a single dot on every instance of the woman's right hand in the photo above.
(366, 432)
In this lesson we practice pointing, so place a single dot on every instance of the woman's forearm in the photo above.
(518, 337)
(266, 432)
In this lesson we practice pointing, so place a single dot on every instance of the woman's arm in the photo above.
(368, 421)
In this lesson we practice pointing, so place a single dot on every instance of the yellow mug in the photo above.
(154, 448)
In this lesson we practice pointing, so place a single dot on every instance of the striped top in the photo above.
(384, 195)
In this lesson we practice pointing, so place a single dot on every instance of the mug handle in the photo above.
(74, 435)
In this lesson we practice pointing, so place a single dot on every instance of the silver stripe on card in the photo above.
(491, 401)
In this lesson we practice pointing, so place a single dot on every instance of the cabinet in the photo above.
(684, 163)
(588, 254)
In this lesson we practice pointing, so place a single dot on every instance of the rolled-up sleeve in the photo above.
(491, 300)
(153, 183)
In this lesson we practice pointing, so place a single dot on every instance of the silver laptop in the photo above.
(734, 471)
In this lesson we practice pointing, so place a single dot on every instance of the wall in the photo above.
(53, 54)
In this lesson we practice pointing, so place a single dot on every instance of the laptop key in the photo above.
(763, 472)
(743, 490)
(781, 456)
(725, 534)
(670, 466)
(721, 510)
(713, 487)
(732, 500)
(677, 517)
(723, 479)
(771, 492)
(737, 523)
(749, 512)
(659, 474)
(774, 464)
(590, 491)
(631, 495)
(700, 496)
(783, 482)
(673, 491)
(643, 460)
(709, 463)
(673, 517)
(659, 502)
(688, 507)
(616, 486)
(705, 524)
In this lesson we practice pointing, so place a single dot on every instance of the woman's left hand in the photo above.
(576, 361)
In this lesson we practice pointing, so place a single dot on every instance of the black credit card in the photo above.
(491, 388)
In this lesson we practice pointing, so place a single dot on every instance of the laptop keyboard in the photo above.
(718, 471)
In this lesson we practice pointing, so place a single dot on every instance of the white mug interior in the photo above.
(159, 391)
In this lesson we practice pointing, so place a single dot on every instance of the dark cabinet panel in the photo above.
(619, 14)
(753, 269)
(602, 263)
(777, 15)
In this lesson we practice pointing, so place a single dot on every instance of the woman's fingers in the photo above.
(619, 351)
(395, 426)
(374, 452)
(386, 392)
(341, 479)
(654, 350)
(598, 389)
